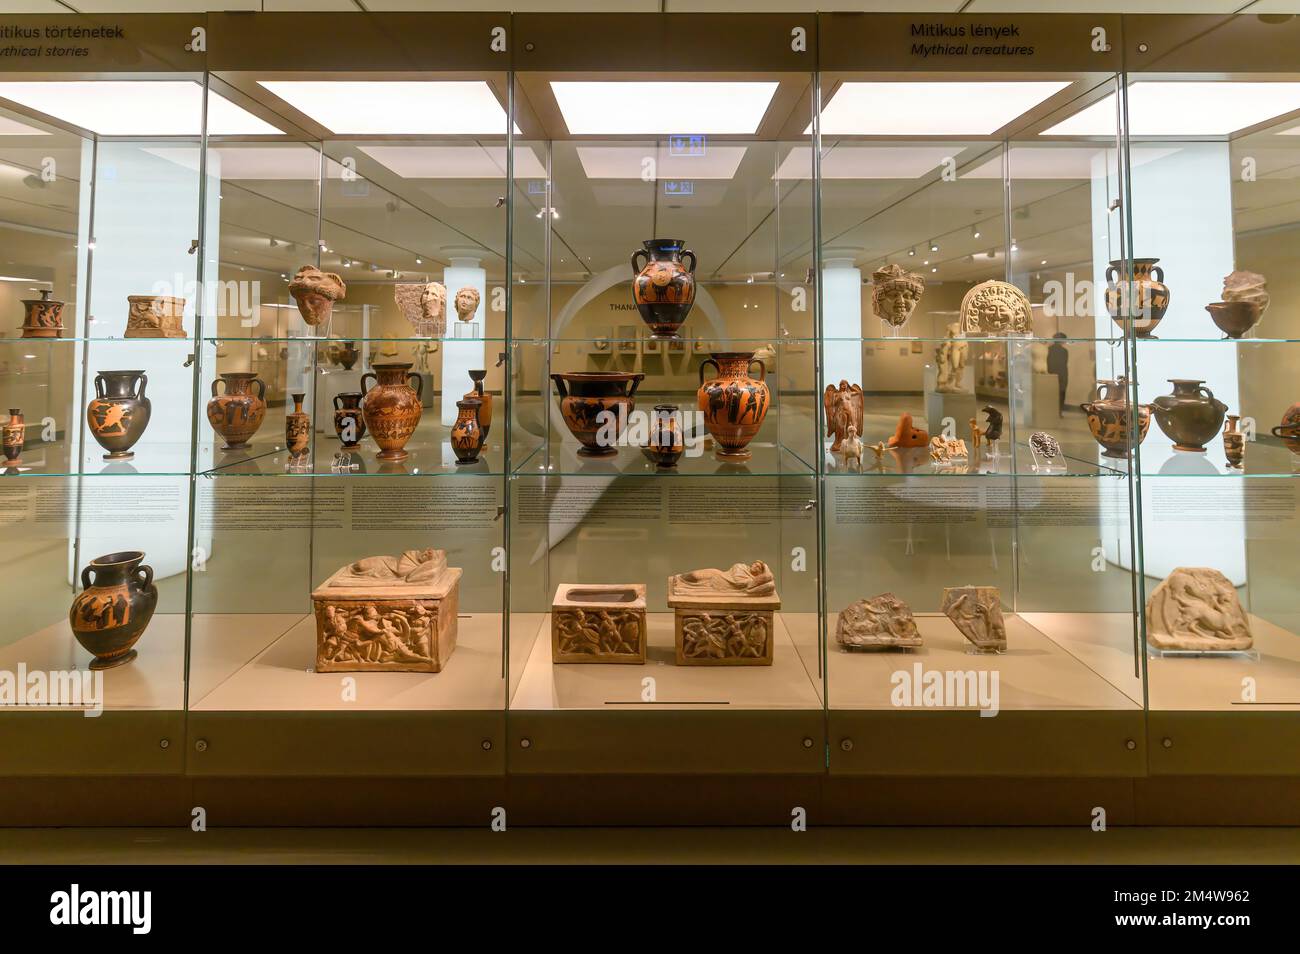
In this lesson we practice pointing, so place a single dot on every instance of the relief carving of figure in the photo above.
(976, 611)
(994, 308)
(412, 567)
(1197, 609)
(727, 636)
(752, 579)
(881, 621)
(600, 632)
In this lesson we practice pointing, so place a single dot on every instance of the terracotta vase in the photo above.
(667, 443)
(1144, 300)
(1234, 442)
(663, 288)
(297, 429)
(477, 392)
(392, 407)
(1109, 418)
(114, 607)
(588, 398)
(15, 430)
(1288, 430)
(1235, 318)
(467, 433)
(349, 421)
(237, 414)
(1191, 416)
(119, 412)
(348, 355)
(734, 404)
(42, 317)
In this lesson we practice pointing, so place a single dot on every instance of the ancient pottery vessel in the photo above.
(154, 316)
(1109, 416)
(119, 412)
(237, 414)
(14, 435)
(595, 406)
(297, 428)
(349, 422)
(667, 443)
(1144, 300)
(316, 292)
(1234, 442)
(42, 317)
(477, 393)
(1235, 318)
(1288, 430)
(466, 433)
(392, 407)
(1191, 416)
(114, 607)
(734, 404)
(663, 288)
(348, 355)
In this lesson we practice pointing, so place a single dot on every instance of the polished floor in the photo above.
(889, 846)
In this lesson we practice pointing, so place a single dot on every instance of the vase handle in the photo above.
(336, 402)
(144, 573)
(759, 362)
(99, 385)
(636, 383)
(261, 388)
(704, 364)
(368, 374)
(560, 386)
(85, 577)
(693, 260)
(215, 382)
(144, 383)
(1159, 273)
(419, 384)
(636, 269)
(1112, 273)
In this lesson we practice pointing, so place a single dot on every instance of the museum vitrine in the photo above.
(1212, 197)
(663, 528)
(979, 546)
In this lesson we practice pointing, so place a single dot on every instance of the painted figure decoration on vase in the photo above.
(895, 293)
(15, 435)
(1190, 416)
(1234, 443)
(42, 317)
(316, 292)
(882, 622)
(1110, 416)
(392, 407)
(663, 289)
(950, 359)
(119, 412)
(976, 611)
(666, 443)
(1141, 302)
(477, 393)
(154, 316)
(466, 432)
(995, 309)
(117, 600)
(1245, 299)
(1289, 430)
(297, 429)
(595, 407)
(237, 414)
(1196, 609)
(734, 404)
(349, 420)
(844, 408)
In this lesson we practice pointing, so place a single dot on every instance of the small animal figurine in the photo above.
(907, 435)
(878, 449)
(851, 447)
(993, 417)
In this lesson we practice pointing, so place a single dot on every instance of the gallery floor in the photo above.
(653, 846)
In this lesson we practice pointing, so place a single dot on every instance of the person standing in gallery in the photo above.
(1058, 363)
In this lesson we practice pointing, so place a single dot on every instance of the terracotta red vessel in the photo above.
(467, 434)
(664, 287)
(1289, 429)
(115, 606)
(119, 412)
(237, 414)
(588, 398)
(297, 428)
(734, 404)
(15, 431)
(392, 407)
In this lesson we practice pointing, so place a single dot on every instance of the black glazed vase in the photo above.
(119, 412)
(664, 287)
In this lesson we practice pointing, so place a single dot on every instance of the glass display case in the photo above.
(853, 399)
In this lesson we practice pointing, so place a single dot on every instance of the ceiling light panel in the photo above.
(867, 162)
(1158, 108)
(455, 162)
(931, 109)
(11, 127)
(396, 108)
(628, 162)
(137, 107)
(687, 108)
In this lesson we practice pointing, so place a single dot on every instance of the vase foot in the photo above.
(598, 452)
(100, 664)
(393, 456)
(1190, 450)
(120, 455)
(733, 455)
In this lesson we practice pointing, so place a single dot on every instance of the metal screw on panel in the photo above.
(846, 745)
(201, 745)
(163, 743)
(530, 47)
(807, 743)
(1167, 742)
(1130, 744)
(525, 743)
(487, 745)
(1142, 47)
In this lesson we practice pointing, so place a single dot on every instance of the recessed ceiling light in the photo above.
(855, 161)
(602, 108)
(12, 127)
(455, 162)
(628, 162)
(396, 107)
(15, 278)
(930, 109)
(1157, 108)
(137, 107)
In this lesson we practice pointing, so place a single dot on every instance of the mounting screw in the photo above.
(1142, 48)
(163, 743)
(1167, 742)
(1130, 744)
(846, 745)
(525, 743)
(530, 47)
(201, 745)
(487, 745)
(807, 743)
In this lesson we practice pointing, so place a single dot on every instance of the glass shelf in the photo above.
(428, 458)
(916, 462)
(561, 459)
